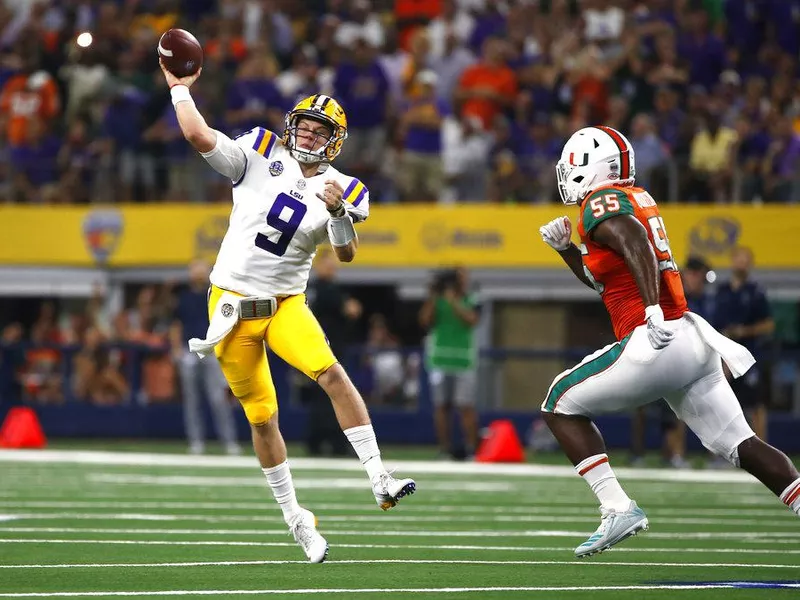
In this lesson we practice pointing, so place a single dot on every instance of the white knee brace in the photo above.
(727, 442)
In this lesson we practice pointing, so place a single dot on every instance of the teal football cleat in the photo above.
(614, 527)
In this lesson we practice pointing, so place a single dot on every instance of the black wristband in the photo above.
(339, 211)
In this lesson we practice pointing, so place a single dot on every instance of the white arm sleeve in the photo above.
(227, 157)
(341, 231)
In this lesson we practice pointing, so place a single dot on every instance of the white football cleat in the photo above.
(614, 527)
(304, 529)
(389, 490)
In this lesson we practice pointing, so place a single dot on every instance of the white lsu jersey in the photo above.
(277, 221)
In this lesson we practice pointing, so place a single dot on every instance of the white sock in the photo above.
(598, 474)
(791, 496)
(280, 480)
(364, 443)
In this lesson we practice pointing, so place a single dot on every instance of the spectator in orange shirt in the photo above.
(149, 327)
(488, 87)
(418, 61)
(228, 43)
(590, 93)
(411, 15)
(96, 375)
(43, 363)
(159, 377)
(28, 95)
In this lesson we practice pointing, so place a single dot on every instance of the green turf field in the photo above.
(104, 524)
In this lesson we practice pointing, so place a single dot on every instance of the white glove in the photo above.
(659, 336)
(557, 233)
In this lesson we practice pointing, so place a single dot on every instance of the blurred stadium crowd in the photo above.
(448, 100)
(57, 350)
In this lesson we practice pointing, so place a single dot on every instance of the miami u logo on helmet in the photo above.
(582, 164)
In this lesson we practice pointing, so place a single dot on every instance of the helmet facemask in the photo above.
(572, 185)
(325, 153)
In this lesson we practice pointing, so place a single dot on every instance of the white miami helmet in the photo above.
(592, 158)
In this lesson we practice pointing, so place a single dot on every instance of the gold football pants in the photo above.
(293, 333)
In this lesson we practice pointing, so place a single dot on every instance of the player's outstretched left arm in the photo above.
(627, 237)
(341, 230)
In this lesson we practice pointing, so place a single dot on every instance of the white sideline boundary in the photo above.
(300, 483)
(145, 459)
(443, 590)
(337, 520)
(772, 537)
(235, 563)
(778, 512)
(467, 548)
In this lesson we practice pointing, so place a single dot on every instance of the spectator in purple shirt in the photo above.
(78, 161)
(784, 15)
(419, 177)
(121, 126)
(703, 50)
(753, 105)
(745, 25)
(253, 98)
(668, 117)
(781, 168)
(651, 156)
(653, 17)
(751, 147)
(195, 9)
(178, 158)
(363, 89)
(537, 149)
(35, 164)
(760, 61)
(489, 22)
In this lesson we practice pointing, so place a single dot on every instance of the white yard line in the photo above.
(377, 518)
(468, 548)
(143, 459)
(532, 494)
(779, 512)
(229, 563)
(771, 537)
(317, 483)
(443, 590)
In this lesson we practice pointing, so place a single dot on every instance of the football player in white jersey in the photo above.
(287, 199)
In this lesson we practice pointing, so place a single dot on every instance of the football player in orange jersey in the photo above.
(663, 349)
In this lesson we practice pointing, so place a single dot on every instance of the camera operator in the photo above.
(450, 315)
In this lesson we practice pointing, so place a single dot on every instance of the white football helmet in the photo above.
(592, 158)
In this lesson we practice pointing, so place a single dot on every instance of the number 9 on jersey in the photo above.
(286, 227)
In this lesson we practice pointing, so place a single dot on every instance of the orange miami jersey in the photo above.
(607, 270)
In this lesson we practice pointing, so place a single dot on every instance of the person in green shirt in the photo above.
(450, 315)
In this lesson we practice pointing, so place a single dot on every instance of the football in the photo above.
(181, 52)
